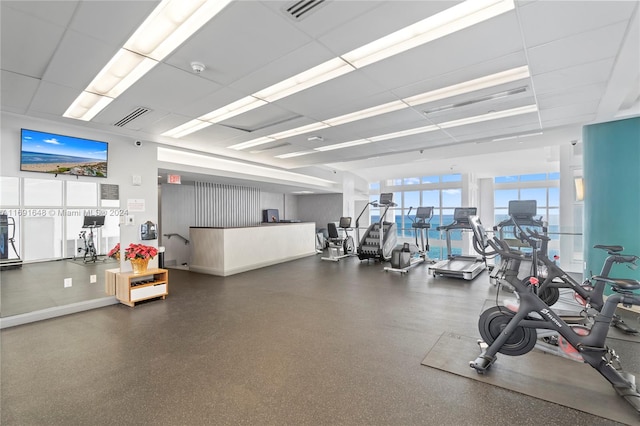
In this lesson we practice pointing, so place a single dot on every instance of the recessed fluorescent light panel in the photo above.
(343, 145)
(454, 123)
(186, 128)
(454, 19)
(506, 138)
(456, 89)
(296, 154)
(167, 27)
(252, 143)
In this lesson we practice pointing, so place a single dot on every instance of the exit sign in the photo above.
(173, 179)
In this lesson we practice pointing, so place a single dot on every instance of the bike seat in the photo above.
(624, 284)
(614, 249)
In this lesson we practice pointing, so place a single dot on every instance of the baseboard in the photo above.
(56, 311)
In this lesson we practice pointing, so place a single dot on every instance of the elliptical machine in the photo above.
(340, 247)
(381, 237)
(513, 332)
(402, 258)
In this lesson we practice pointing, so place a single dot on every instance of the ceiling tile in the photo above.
(54, 12)
(545, 21)
(178, 88)
(17, 91)
(27, 55)
(578, 49)
(575, 76)
(242, 39)
(571, 96)
(96, 19)
(65, 69)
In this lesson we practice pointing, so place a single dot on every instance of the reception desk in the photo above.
(228, 251)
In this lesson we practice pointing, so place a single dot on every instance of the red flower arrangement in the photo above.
(114, 253)
(140, 251)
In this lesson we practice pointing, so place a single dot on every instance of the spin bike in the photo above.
(586, 294)
(89, 253)
(589, 294)
(514, 332)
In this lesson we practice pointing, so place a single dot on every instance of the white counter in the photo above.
(228, 251)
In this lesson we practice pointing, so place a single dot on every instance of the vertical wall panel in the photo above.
(221, 205)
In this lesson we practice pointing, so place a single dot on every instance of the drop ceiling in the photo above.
(583, 58)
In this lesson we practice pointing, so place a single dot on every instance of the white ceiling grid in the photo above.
(580, 55)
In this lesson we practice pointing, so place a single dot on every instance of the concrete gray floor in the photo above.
(302, 343)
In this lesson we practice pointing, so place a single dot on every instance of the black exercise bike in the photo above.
(514, 332)
(89, 253)
(590, 293)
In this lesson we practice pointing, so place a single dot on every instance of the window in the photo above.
(541, 187)
(452, 178)
(443, 193)
(411, 181)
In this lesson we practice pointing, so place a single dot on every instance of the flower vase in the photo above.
(139, 265)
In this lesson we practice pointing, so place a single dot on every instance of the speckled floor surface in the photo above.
(302, 343)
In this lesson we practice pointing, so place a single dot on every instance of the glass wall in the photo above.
(443, 193)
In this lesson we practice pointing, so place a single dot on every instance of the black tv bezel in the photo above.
(64, 136)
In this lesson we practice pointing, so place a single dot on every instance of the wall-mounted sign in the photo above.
(135, 204)
(109, 192)
(173, 179)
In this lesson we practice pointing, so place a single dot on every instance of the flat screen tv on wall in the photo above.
(64, 155)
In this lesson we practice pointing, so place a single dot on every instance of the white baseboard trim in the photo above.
(56, 311)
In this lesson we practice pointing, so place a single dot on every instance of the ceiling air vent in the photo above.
(138, 112)
(301, 9)
(500, 95)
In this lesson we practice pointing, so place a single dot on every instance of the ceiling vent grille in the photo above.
(136, 113)
(500, 95)
(269, 148)
(301, 9)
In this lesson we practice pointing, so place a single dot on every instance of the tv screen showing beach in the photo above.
(66, 155)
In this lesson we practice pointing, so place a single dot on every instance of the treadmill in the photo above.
(465, 267)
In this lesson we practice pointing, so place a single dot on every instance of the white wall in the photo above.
(320, 208)
(125, 160)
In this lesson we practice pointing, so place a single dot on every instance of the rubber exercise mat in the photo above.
(547, 377)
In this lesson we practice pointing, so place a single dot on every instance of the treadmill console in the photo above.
(461, 214)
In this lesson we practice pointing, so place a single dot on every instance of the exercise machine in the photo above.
(381, 237)
(402, 257)
(459, 266)
(521, 216)
(589, 294)
(514, 331)
(7, 238)
(340, 247)
(89, 253)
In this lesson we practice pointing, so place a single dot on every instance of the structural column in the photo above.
(612, 192)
